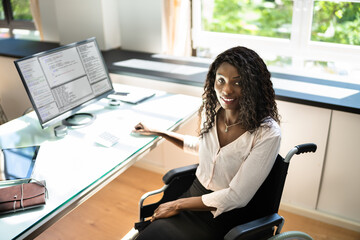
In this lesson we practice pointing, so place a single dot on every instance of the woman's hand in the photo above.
(175, 138)
(165, 210)
(143, 130)
(173, 208)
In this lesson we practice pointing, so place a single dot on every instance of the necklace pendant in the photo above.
(226, 128)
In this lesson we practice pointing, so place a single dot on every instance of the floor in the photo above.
(111, 212)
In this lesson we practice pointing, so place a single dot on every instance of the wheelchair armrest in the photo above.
(245, 231)
(179, 172)
(176, 182)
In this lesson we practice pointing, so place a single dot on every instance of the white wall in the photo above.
(68, 21)
(14, 98)
(75, 25)
(111, 24)
(131, 24)
(140, 22)
(49, 20)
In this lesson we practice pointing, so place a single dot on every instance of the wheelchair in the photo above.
(264, 222)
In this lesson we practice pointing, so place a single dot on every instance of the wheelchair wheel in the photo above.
(292, 235)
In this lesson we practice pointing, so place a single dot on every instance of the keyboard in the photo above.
(106, 139)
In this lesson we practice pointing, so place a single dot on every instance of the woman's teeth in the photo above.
(228, 100)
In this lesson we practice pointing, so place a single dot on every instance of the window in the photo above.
(336, 22)
(16, 20)
(258, 18)
(2, 14)
(317, 35)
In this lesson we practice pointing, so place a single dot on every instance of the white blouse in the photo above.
(235, 171)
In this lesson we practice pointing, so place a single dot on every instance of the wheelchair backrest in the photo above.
(265, 201)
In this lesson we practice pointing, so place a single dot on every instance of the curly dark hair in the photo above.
(258, 97)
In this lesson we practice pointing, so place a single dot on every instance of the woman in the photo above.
(237, 145)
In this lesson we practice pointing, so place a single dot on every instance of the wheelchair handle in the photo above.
(306, 147)
(302, 148)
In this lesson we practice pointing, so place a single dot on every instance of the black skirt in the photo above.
(187, 225)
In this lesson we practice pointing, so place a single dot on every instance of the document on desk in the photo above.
(134, 96)
(161, 66)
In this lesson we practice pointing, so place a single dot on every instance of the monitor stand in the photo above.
(79, 120)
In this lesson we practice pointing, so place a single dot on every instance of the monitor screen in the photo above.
(61, 81)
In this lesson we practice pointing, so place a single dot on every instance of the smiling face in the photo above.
(227, 86)
(249, 98)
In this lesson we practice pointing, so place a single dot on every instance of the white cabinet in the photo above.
(323, 185)
(340, 191)
(303, 124)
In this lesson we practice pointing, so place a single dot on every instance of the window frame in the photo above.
(12, 24)
(299, 47)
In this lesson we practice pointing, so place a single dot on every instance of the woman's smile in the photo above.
(228, 100)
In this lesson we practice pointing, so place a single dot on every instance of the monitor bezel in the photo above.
(72, 111)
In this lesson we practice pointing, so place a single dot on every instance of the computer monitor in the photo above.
(61, 81)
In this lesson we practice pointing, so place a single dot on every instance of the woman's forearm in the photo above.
(192, 204)
(173, 208)
(175, 138)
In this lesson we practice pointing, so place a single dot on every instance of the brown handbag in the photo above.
(22, 196)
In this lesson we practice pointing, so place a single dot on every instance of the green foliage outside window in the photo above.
(21, 10)
(2, 14)
(336, 22)
(268, 18)
(17, 21)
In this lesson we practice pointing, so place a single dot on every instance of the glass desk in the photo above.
(76, 167)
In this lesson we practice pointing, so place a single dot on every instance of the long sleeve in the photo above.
(191, 144)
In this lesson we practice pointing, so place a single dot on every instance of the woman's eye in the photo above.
(220, 80)
(237, 83)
